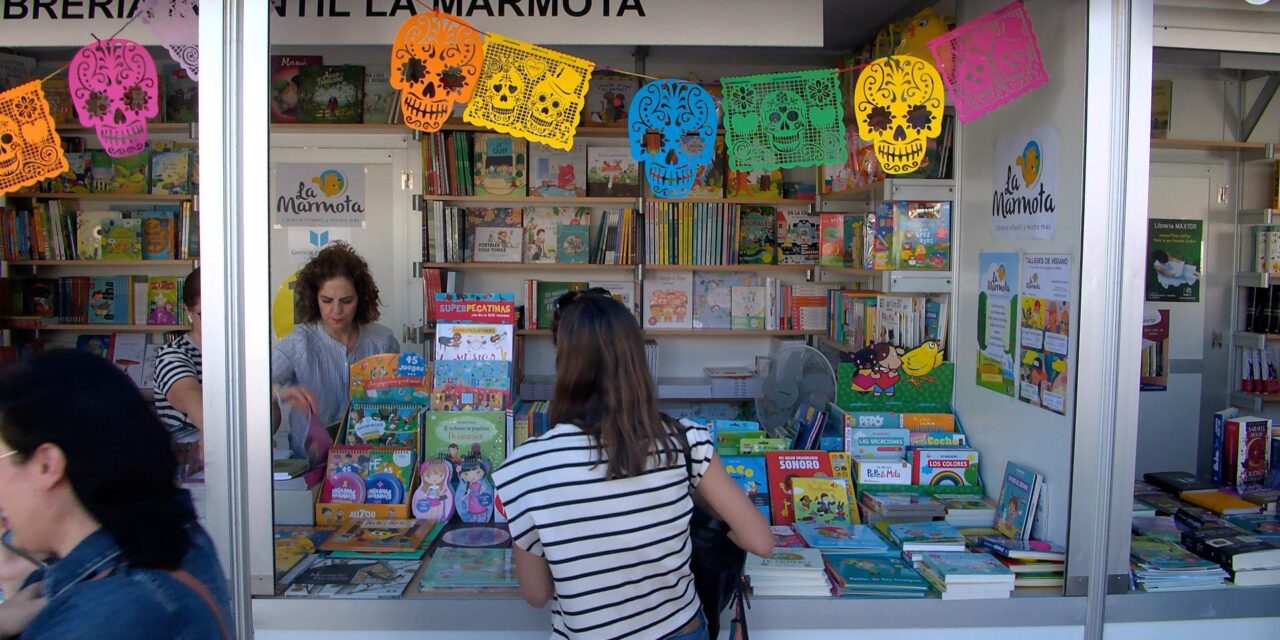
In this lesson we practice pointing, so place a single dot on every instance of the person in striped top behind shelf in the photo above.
(179, 394)
(599, 506)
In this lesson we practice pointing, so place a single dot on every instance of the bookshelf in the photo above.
(105, 264)
(104, 197)
(117, 328)
(536, 201)
(1248, 344)
(1204, 145)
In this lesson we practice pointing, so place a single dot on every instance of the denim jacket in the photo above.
(129, 603)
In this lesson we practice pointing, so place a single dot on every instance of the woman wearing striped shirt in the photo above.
(599, 506)
(179, 396)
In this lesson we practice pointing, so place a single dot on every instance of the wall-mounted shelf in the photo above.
(1253, 401)
(103, 264)
(898, 189)
(526, 266)
(660, 333)
(1252, 279)
(116, 328)
(535, 201)
(852, 271)
(1204, 145)
(303, 127)
(1258, 216)
(101, 197)
(152, 127)
(761, 201)
(792, 268)
(1250, 340)
(838, 346)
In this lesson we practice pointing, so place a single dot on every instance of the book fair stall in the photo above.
(887, 256)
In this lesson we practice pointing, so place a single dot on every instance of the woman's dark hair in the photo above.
(120, 462)
(191, 289)
(603, 385)
(1160, 255)
(337, 260)
(565, 299)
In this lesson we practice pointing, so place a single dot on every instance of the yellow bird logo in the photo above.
(922, 360)
(1030, 163)
(331, 183)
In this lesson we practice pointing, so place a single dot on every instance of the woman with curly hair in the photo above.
(337, 310)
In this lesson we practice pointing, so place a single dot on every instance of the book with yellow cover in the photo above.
(821, 500)
(376, 536)
(1219, 502)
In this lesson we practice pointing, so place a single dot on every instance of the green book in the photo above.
(331, 94)
(454, 435)
(122, 239)
(547, 294)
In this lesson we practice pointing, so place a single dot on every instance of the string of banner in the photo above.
(773, 120)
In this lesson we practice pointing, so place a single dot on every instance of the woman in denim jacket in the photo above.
(87, 476)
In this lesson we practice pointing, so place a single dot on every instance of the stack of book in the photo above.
(863, 577)
(966, 576)
(1249, 560)
(788, 572)
(452, 569)
(1034, 563)
(968, 510)
(854, 540)
(883, 506)
(1161, 527)
(929, 537)
(1159, 565)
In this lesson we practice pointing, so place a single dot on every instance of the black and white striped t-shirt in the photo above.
(177, 360)
(618, 549)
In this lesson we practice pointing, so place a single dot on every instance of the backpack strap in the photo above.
(181, 575)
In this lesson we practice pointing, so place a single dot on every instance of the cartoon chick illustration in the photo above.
(920, 29)
(330, 182)
(1030, 163)
(920, 361)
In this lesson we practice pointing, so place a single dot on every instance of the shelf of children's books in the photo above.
(103, 197)
(526, 266)
(800, 268)
(1253, 401)
(852, 271)
(152, 127)
(1251, 340)
(729, 333)
(1253, 279)
(757, 201)
(105, 264)
(1257, 216)
(117, 328)
(1204, 145)
(535, 201)
(321, 127)
(860, 192)
(897, 189)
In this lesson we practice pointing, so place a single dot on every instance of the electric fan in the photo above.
(795, 373)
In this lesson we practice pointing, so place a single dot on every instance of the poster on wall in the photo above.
(1173, 260)
(1025, 190)
(1155, 350)
(1045, 331)
(312, 194)
(997, 320)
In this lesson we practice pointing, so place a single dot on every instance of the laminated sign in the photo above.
(435, 61)
(529, 91)
(30, 149)
(898, 103)
(672, 129)
(115, 90)
(176, 24)
(790, 119)
(990, 60)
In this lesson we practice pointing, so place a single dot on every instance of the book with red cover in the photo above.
(781, 467)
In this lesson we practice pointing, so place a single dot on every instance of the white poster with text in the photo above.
(312, 194)
(1025, 190)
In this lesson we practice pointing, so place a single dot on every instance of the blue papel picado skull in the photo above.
(672, 128)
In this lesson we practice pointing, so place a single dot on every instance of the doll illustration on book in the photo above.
(474, 498)
(434, 498)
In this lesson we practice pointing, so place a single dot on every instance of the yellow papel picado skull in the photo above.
(435, 61)
(898, 102)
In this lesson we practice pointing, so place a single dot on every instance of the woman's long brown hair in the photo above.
(604, 387)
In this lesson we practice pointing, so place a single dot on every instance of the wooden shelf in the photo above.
(101, 263)
(525, 266)
(856, 193)
(1251, 340)
(1253, 402)
(731, 267)
(659, 333)
(1248, 217)
(112, 197)
(1204, 145)
(535, 200)
(152, 127)
(116, 328)
(760, 201)
(851, 271)
(303, 127)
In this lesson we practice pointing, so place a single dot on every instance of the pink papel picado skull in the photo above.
(176, 23)
(435, 61)
(114, 88)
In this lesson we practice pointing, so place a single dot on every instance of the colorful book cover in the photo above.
(667, 296)
(922, 232)
(574, 244)
(122, 239)
(1017, 502)
(469, 568)
(546, 295)
(784, 561)
(293, 543)
(383, 424)
(500, 165)
(375, 536)
(756, 184)
(877, 443)
(782, 468)
(379, 95)
(542, 231)
(853, 239)
(353, 578)
(945, 467)
(757, 235)
(157, 235)
(608, 100)
(162, 300)
(977, 567)
(749, 473)
(109, 299)
(129, 174)
(797, 236)
(390, 475)
(757, 446)
(1253, 453)
(612, 172)
(170, 172)
(747, 307)
(937, 532)
(129, 352)
(820, 500)
(181, 95)
(849, 537)
(78, 178)
(332, 94)
(831, 242)
(285, 84)
(890, 575)
(709, 182)
(102, 172)
(557, 174)
(97, 344)
(713, 299)
(57, 93)
(1168, 556)
(345, 473)
(878, 234)
(623, 291)
(454, 435)
(494, 234)
(785, 537)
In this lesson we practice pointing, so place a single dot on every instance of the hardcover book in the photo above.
(856, 538)
(494, 234)
(612, 172)
(709, 181)
(181, 95)
(756, 184)
(783, 467)
(170, 172)
(379, 536)
(757, 235)
(922, 233)
(557, 174)
(878, 235)
(129, 174)
(500, 165)
(379, 95)
(332, 94)
(713, 299)
(820, 500)
(608, 100)
(453, 435)
(157, 235)
(667, 296)
(285, 85)
(797, 236)
(109, 300)
(162, 300)
(1016, 506)
(353, 578)
(122, 239)
(747, 307)
(542, 227)
(469, 568)
(573, 244)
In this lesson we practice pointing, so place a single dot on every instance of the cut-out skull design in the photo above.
(507, 88)
(176, 23)
(552, 98)
(989, 60)
(114, 88)
(435, 60)
(30, 149)
(672, 129)
(898, 102)
(785, 118)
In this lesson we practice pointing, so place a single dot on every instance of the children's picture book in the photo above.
(353, 578)
(285, 85)
(853, 239)
(557, 174)
(78, 177)
(783, 467)
(109, 299)
(455, 435)
(157, 235)
(332, 94)
(797, 236)
(170, 172)
(379, 95)
(129, 352)
(545, 296)
(471, 385)
(162, 300)
(129, 174)
(542, 227)
(922, 233)
(383, 424)
(859, 575)
(573, 243)
(784, 562)
(713, 297)
(667, 297)
(181, 95)
(102, 172)
(500, 162)
(122, 239)
(612, 172)
(57, 93)
(749, 473)
(945, 467)
(757, 235)
(469, 568)
(858, 538)
(1017, 503)
(747, 307)
(831, 241)
(608, 99)
(785, 537)
(376, 536)
(935, 535)
(494, 234)
(878, 235)
(97, 344)
(756, 184)
(293, 543)
(820, 500)
(709, 181)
